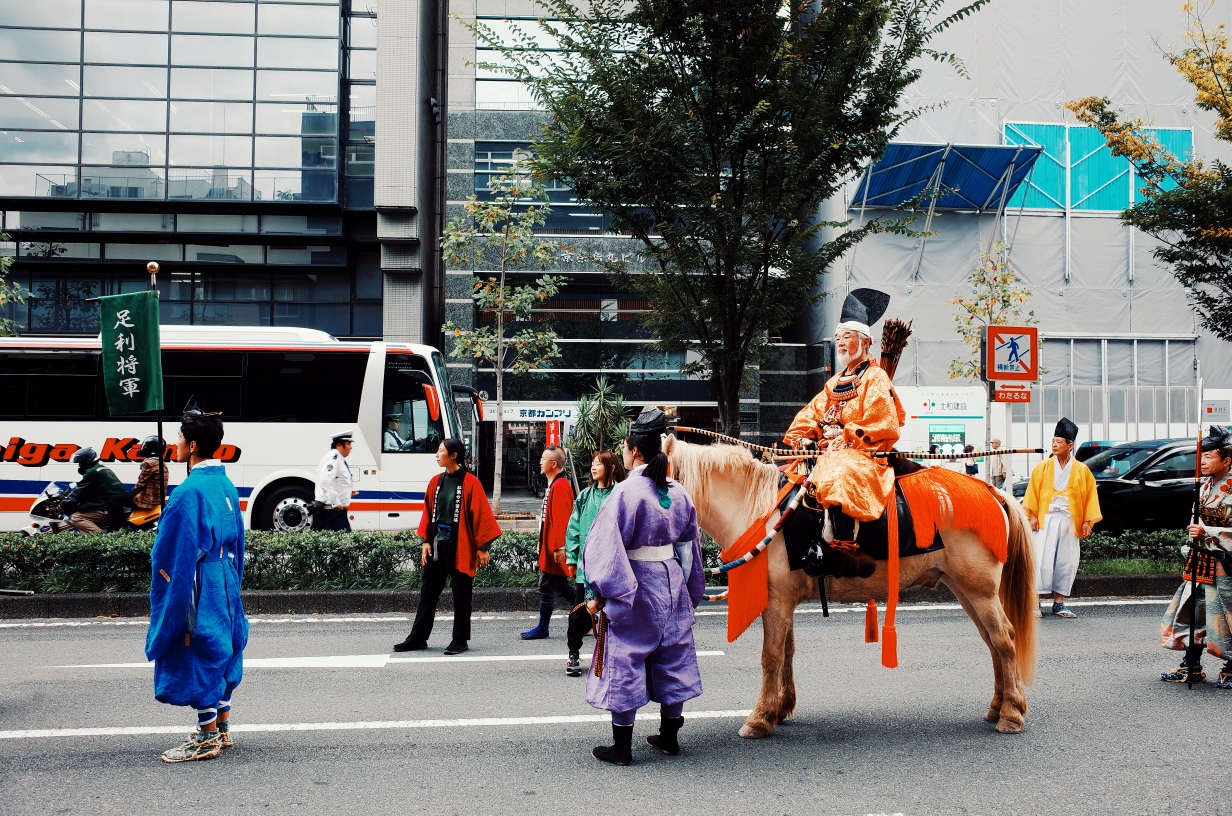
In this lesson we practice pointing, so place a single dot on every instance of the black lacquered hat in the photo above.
(1216, 437)
(649, 421)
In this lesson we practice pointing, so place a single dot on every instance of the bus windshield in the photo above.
(409, 425)
(442, 375)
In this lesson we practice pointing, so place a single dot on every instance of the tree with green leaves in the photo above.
(1185, 203)
(602, 422)
(998, 298)
(9, 292)
(712, 133)
(499, 235)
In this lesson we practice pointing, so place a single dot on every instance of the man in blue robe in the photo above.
(197, 628)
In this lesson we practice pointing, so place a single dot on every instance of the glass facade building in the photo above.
(230, 140)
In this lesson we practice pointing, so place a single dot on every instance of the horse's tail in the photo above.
(1018, 596)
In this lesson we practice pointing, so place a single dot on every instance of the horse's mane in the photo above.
(696, 466)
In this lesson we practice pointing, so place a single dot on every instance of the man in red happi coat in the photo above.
(555, 575)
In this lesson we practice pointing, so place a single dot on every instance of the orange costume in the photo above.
(854, 416)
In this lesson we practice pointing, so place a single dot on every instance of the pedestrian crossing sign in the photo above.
(1009, 353)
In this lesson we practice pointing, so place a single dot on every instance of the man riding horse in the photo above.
(856, 414)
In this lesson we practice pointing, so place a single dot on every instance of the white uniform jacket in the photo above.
(334, 480)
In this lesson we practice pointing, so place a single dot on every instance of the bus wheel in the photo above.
(286, 510)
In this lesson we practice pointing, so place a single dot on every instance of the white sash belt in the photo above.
(661, 553)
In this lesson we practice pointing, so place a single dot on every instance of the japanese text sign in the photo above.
(1010, 353)
(552, 432)
(132, 352)
(1011, 392)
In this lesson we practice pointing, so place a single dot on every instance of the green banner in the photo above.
(132, 352)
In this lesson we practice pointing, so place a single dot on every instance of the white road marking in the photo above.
(812, 608)
(350, 726)
(483, 658)
(377, 661)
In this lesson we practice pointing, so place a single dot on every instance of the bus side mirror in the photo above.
(434, 404)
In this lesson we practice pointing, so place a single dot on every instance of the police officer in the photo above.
(334, 486)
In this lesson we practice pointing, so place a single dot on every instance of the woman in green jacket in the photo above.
(605, 471)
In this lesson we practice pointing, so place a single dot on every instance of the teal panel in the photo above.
(1179, 142)
(1046, 184)
(1098, 180)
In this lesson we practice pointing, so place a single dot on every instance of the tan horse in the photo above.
(732, 490)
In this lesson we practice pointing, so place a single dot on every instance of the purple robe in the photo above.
(649, 604)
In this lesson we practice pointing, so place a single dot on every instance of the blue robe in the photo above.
(197, 628)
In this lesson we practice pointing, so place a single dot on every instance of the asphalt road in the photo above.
(1103, 734)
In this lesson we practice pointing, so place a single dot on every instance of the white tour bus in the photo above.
(283, 393)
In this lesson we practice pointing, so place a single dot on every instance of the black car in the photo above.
(1142, 485)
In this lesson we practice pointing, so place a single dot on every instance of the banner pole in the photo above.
(152, 268)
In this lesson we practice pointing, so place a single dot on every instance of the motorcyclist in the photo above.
(97, 490)
(146, 493)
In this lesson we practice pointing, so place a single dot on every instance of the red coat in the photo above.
(555, 521)
(478, 527)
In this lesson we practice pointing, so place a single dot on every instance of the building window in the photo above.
(494, 159)
(139, 70)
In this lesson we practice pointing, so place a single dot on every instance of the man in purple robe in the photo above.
(643, 560)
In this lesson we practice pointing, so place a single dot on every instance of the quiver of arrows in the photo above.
(894, 335)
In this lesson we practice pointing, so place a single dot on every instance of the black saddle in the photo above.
(807, 549)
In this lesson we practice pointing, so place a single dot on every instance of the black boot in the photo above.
(666, 740)
(622, 752)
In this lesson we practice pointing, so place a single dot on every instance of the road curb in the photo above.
(486, 599)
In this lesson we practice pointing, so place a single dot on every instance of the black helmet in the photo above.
(150, 446)
(85, 459)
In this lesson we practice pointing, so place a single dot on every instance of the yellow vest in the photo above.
(1079, 492)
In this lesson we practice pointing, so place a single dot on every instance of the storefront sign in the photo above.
(565, 412)
(933, 402)
(552, 432)
(1215, 411)
(951, 439)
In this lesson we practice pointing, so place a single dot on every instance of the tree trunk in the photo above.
(499, 450)
(728, 387)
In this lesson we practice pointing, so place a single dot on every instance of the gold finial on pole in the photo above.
(152, 268)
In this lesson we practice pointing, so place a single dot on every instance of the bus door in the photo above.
(412, 430)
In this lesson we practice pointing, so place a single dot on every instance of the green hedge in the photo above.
(120, 562)
(1163, 545)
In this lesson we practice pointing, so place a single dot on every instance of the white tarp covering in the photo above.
(1025, 59)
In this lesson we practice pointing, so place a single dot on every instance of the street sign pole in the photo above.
(152, 268)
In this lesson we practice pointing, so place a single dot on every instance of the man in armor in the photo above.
(856, 414)
(1209, 555)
